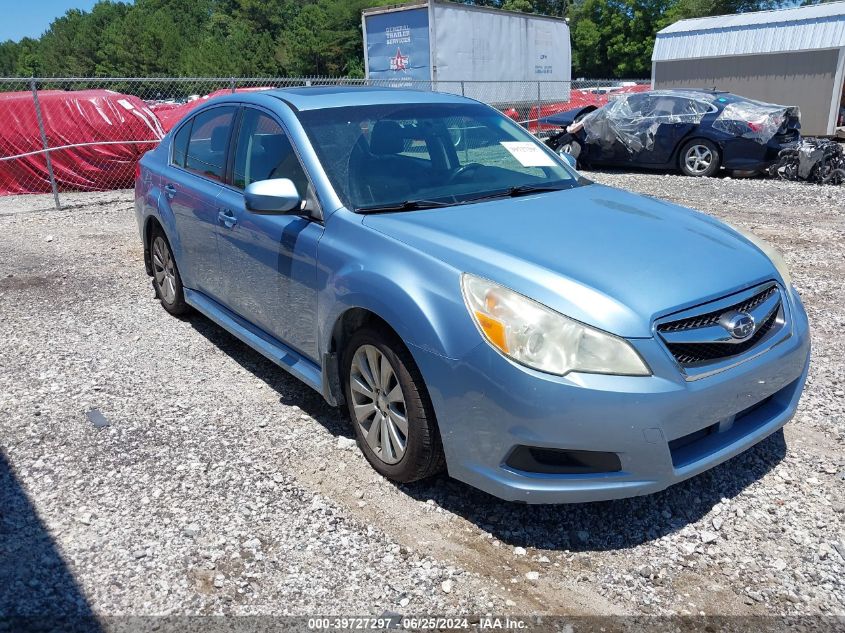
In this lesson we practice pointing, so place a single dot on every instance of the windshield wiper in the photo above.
(515, 192)
(407, 205)
(414, 205)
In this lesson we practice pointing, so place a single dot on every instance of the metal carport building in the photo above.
(791, 57)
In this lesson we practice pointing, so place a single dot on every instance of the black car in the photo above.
(696, 131)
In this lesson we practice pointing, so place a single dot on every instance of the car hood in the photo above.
(609, 258)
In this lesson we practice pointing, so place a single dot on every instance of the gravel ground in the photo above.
(221, 485)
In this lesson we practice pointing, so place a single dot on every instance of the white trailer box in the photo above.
(481, 52)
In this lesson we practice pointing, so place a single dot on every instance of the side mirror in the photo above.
(570, 159)
(277, 195)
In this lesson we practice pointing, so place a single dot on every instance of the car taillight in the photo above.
(137, 171)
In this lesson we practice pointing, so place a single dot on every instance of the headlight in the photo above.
(769, 251)
(536, 336)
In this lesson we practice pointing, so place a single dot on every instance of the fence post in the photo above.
(463, 92)
(539, 102)
(232, 84)
(44, 142)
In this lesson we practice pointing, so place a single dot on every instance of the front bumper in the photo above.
(487, 405)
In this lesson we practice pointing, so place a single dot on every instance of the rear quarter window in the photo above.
(180, 145)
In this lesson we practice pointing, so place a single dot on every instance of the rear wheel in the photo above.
(699, 157)
(390, 408)
(166, 279)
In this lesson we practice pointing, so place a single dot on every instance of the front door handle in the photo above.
(169, 191)
(227, 218)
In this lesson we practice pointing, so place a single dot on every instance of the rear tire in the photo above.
(699, 158)
(389, 407)
(166, 279)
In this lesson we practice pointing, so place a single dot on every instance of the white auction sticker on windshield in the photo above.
(528, 154)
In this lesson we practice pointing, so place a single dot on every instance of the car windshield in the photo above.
(405, 156)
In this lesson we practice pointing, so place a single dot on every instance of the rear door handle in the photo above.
(227, 218)
(169, 190)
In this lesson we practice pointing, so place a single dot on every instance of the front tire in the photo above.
(166, 279)
(699, 158)
(390, 408)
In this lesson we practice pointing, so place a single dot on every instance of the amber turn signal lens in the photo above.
(494, 330)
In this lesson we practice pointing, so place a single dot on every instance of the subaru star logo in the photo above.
(740, 325)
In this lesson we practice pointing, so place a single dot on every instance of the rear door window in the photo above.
(209, 141)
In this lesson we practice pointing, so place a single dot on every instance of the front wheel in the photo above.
(699, 157)
(390, 408)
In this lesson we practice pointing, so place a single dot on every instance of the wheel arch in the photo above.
(425, 321)
(345, 325)
(167, 224)
(150, 225)
(351, 320)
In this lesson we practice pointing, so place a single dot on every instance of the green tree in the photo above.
(29, 58)
(9, 52)
(71, 44)
(232, 48)
(325, 38)
(682, 9)
(155, 37)
(615, 38)
(245, 37)
(524, 6)
(554, 8)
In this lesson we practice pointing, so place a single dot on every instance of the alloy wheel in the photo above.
(698, 159)
(164, 270)
(379, 404)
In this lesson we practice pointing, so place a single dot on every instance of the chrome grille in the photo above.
(697, 339)
(712, 318)
(694, 353)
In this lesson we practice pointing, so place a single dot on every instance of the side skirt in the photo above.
(286, 358)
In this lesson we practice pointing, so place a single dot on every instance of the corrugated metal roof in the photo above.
(803, 28)
(797, 14)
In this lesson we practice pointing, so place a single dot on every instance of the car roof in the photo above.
(321, 97)
(718, 98)
(712, 93)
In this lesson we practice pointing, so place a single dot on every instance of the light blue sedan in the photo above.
(469, 299)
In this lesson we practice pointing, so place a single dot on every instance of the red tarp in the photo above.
(112, 128)
(171, 113)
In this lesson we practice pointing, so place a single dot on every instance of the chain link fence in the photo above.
(64, 135)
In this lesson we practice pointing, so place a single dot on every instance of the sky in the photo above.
(30, 18)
